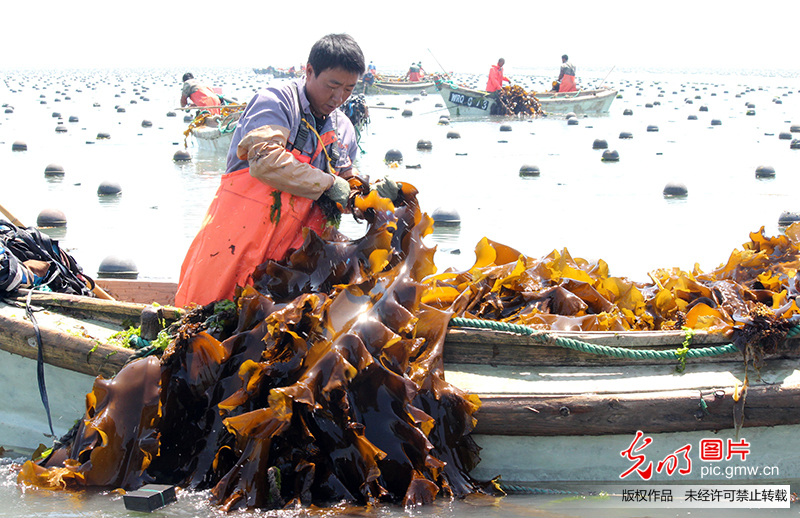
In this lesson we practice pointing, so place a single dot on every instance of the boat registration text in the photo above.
(466, 100)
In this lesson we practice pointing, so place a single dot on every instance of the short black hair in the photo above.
(187, 76)
(337, 51)
(565, 57)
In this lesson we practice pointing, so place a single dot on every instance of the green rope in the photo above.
(513, 489)
(604, 350)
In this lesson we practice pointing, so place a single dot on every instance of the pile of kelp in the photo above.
(514, 100)
(325, 383)
(752, 296)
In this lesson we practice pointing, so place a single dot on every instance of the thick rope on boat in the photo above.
(514, 489)
(604, 350)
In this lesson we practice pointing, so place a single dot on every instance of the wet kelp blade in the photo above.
(326, 386)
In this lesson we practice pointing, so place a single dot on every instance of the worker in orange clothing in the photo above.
(200, 94)
(566, 77)
(496, 77)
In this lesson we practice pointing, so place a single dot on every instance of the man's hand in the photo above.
(339, 192)
(387, 188)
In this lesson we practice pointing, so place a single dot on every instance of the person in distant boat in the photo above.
(566, 77)
(199, 94)
(415, 72)
(287, 169)
(371, 69)
(496, 77)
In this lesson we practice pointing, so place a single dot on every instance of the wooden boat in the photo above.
(550, 412)
(395, 86)
(213, 134)
(462, 101)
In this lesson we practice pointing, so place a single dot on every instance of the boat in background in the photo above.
(466, 102)
(396, 85)
(213, 133)
(557, 406)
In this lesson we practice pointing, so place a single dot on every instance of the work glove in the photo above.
(339, 192)
(386, 188)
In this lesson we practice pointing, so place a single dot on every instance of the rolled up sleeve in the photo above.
(270, 162)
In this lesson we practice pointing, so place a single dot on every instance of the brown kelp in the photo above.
(324, 384)
(752, 296)
(514, 100)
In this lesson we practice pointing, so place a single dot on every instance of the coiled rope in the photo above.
(604, 350)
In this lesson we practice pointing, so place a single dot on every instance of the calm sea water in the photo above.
(613, 211)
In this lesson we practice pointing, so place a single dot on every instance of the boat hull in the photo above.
(212, 140)
(399, 87)
(548, 414)
(465, 102)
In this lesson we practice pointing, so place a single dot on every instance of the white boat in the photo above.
(466, 102)
(548, 414)
(212, 140)
(396, 86)
(213, 134)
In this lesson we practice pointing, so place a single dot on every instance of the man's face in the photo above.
(329, 89)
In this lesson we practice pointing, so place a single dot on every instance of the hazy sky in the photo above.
(464, 36)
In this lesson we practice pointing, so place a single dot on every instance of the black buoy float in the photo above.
(794, 144)
(181, 155)
(54, 170)
(610, 155)
(103, 136)
(675, 189)
(572, 121)
(529, 170)
(51, 218)
(505, 127)
(692, 117)
(704, 108)
(765, 171)
(445, 217)
(407, 113)
(787, 218)
(61, 129)
(19, 146)
(750, 112)
(795, 128)
(785, 135)
(393, 155)
(652, 128)
(108, 188)
(599, 144)
(716, 122)
(453, 134)
(147, 124)
(625, 135)
(627, 111)
(73, 118)
(188, 118)
(424, 145)
(114, 267)
(170, 114)
(56, 115)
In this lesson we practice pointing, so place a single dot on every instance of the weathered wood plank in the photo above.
(93, 308)
(651, 412)
(64, 350)
(143, 292)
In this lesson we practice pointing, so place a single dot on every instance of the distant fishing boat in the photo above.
(556, 406)
(467, 102)
(213, 134)
(395, 85)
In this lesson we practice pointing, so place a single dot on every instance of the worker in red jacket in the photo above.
(566, 76)
(496, 76)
